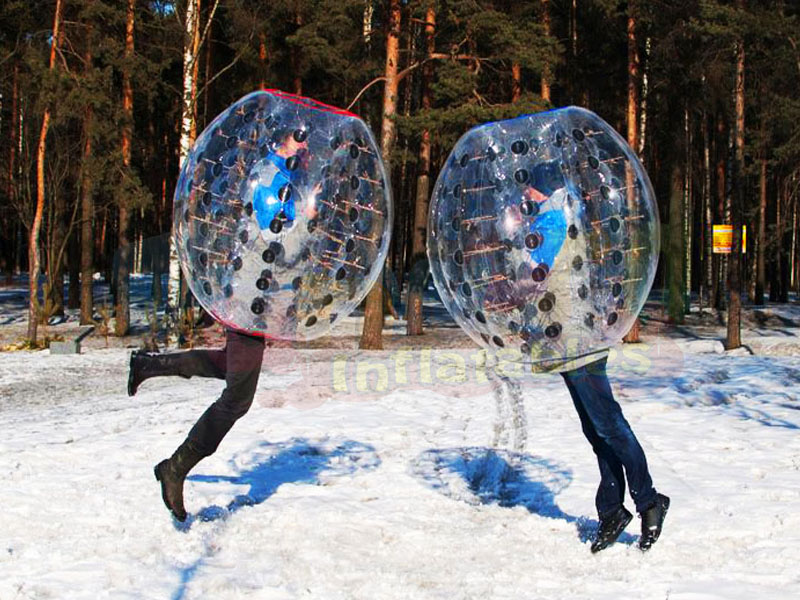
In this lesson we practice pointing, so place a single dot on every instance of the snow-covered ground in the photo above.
(341, 484)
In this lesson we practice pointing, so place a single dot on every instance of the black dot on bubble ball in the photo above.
(458, 257)
(612, 318)
(285, 193)
(263, 150)
(204, 229)
(275, 226)
(616, 289)
(353, 151)
(248, 209)
(292, 163)
(186, 216)
(300, 135)
(546, 304)
(521, 176)
(498, 342)
(519, 147)
(553, 331)
(457, 191)
(533, 240)
(465, 289)
(228, 291)
(249, 116)
(262, 283)
(467, 314)
(352, 214)
(528, 208)
(588, 320)
(327, 299)
(268, 256)
(464, 160)
(231, 141)
(297, 283)
(335, 143)
(341, 274)
(219, 244)
(305, 254)
(203, 258)
(578, 135)
(452, 285)
(257, 307)
(217, 169)
(491, 154)
(237, 263)
(616, 257)
(207, 288)
(620, 303)
(613, 224)
(266, 274)
(539, 273)
(605, 191)
(485, 338)
(525, 349)
(291, 311)
(577, 263)
(513, 327)
(312, 225)
(572, 232)
(350, 245)
(223, 187)
(355, 182)
(480, 317)
(455, 224)
(594, 163)
(311, 321)
(244, 236)
(583, 292)
(333, 317)
(207, 198)
(558, 139)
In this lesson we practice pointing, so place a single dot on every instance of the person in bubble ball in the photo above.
(238, 363)
(619, 454)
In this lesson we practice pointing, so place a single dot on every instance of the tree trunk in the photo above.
(785, 241)
(122, 309)
(734, 337)
(173, 311)
(675, 255)
(74, 262)
(633, 127)
(418, 244)
(721, 152)
(546, 70)
(371, 336)
(34, 258)
(688, 212)
(762, 233)
(708, 247)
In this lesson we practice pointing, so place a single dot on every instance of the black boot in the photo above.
(610, 528)
(653, 521)
(144, 365)
(172, 473)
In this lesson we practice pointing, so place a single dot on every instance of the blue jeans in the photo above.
(612, 440)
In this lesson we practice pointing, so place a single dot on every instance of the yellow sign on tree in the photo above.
(723, 235)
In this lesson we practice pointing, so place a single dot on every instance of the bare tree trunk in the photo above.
(762, 231)
(734, 337)
(720, 151)
(675, 240)
(11, 190)
(633, 125)
(708, 246)
(34, 258)
(371, 336)
(122, 308)
(645, 93)
(546, 70)
(688, 204)
(419, 268)
(87, 216)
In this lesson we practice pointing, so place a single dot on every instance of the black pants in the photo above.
(239, 364)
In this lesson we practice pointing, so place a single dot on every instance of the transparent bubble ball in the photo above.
(543, 235)
(282, 215)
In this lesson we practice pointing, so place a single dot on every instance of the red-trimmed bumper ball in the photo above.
(543, 235)
(282, 215)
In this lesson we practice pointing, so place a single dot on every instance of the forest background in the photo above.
(101, 100)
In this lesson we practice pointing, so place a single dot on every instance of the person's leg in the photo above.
(611, 492)
(186, 364)
(592, 386)
(243, 366)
